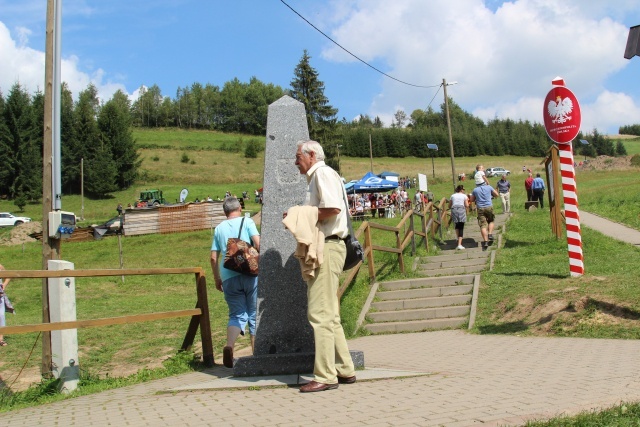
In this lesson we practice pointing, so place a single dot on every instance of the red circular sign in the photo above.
(561, 113)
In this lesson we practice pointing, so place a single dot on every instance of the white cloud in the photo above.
(503, 60)
(609, 111)
(25, 65)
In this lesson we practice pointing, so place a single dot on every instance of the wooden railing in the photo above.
(199, 314)
(431, 219)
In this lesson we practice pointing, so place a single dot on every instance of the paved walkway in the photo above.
(610, 228)
(474, 380)
(444, 378)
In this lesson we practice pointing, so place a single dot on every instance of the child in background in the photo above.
(479, 176)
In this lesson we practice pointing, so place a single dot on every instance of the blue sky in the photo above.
(502, 54)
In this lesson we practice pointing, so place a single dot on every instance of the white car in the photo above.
(497, 172)
(7, 219)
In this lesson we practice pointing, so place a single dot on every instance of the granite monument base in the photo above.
(283, 364)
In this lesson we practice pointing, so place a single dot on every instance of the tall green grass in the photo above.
(531, 276)
(623, 415)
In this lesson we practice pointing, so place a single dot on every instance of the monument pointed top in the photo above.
(285, 100)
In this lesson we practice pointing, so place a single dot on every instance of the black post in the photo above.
(433, 168)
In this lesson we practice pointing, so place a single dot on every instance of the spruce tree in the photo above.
(620, 149)
(5, 154)
(321, 116)
(100, 169)
(114, 122)
(18, 118)
(70, 162)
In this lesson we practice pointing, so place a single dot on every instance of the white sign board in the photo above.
(422, 182)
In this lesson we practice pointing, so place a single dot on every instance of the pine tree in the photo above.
(70, 164)
(32, 151)
(18, 118)
(100, 169)
(5, 154)
(321, 116)
(114, 122)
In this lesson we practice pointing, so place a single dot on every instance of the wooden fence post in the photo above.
(205, 322)
(368, 244)
(413, 236)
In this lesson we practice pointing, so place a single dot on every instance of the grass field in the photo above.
(631, 143)
(530, 275)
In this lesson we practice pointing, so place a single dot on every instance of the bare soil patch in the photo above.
(21, 233)
(569, 311)
(607, 163)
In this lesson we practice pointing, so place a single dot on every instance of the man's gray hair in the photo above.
(230, 204)
(312, 146)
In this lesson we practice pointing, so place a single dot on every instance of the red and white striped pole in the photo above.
(571, 212)
(562, 118)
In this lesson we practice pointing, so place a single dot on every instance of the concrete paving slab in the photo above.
(230, 382)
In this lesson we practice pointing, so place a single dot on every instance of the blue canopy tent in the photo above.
(370, 183)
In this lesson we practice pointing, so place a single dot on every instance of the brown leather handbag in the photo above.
(241, 257)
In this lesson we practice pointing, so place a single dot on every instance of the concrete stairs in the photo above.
(445, 298)
(421, 304)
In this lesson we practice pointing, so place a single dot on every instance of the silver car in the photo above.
(497, 172)
(7, 219)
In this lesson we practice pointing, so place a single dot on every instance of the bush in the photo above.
(184, 158)
(635, 160)
(251, 150)
(20, 201)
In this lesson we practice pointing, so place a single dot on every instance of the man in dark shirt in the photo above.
(504, 189)
(482, 196)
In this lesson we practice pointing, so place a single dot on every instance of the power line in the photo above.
(361, 60)
(434, 97)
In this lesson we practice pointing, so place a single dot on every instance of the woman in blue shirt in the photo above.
(240, 290)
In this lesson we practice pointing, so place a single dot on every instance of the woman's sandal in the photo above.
(3, 343)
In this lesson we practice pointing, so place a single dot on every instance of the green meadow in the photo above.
(530, 277)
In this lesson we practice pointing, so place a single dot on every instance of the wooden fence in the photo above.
(430, 220)
(173, 219)
(199, 314)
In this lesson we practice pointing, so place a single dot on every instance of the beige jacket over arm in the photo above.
(302, 221)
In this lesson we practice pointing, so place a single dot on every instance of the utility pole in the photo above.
(446, 106)
(338, 148)
(370, 154)
(82, 188)
(50, 246)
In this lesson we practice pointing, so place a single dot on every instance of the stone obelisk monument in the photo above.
(284, 339)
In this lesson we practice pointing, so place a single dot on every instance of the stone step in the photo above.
(451, 245)
(464, 262)
(417, 325)
(430, 292)
(412, 304)
(420, 314)
(457, 255)
(451, 270)
(426, 282)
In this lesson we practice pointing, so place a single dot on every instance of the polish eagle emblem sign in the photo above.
(561, 113)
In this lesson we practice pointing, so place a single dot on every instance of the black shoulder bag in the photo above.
(355, 253)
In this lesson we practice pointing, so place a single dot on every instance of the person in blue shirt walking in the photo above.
(482, 196)
(538, 187)
(240, 290)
